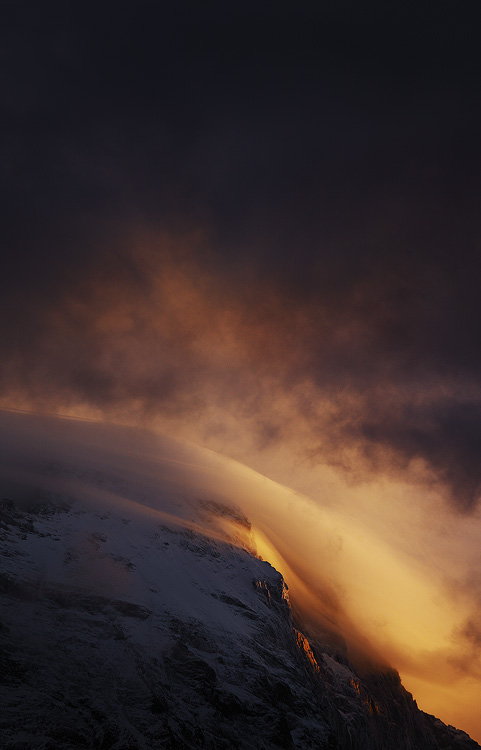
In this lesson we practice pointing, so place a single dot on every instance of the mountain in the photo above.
(126, 626)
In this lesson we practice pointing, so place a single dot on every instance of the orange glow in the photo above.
(304, 645)
(389, 601)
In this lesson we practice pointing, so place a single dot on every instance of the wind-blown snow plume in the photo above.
(343, 579)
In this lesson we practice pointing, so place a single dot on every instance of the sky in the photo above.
(257, 229)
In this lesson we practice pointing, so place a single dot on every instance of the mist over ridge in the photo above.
(388, 606)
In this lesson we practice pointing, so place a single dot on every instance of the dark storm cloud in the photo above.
(447, 435)
(327, 161)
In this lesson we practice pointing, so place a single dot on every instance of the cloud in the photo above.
(159, 331)
(445, 434)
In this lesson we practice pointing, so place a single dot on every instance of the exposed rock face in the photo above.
(117, 632)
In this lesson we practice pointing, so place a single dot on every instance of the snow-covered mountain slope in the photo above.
(124, 626)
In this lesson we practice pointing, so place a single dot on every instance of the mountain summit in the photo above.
(127, 627)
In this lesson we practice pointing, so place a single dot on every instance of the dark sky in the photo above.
(241, 215)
